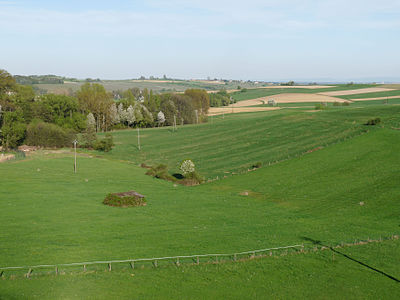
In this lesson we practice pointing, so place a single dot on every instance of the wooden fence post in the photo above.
(29, 273)
(109, 266)
(234, 257)
(132, 264)
(56, 270)
(197, 260)
(177, 261)
(84, 268)
(155, 263)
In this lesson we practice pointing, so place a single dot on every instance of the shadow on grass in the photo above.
(317, 242)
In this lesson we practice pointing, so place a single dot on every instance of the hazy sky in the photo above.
(253, 39)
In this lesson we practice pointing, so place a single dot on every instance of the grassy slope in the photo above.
(263, 137)
(57, 217)
(311, 275)
(53, 216)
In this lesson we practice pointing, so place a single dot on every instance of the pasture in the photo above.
(325, 177)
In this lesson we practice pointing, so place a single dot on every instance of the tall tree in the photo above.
(94, 98)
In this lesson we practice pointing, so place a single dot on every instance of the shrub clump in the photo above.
(321, 106)
(48, 135)
(190, 176)
(345, 103)
(127, 199)
(161, 172)
(105, 144)
(373, 121)
(256, 165)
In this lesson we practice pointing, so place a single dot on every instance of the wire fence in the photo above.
(194, 259)
(155, 260)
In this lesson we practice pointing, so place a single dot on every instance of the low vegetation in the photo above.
(127, 199)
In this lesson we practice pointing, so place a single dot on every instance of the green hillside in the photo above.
(346, 191)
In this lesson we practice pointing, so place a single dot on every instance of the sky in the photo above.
(270, 40)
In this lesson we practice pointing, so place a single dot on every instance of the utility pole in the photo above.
(75, 142)
(138, 137)
(174, 123)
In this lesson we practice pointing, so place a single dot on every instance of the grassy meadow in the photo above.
(310, 275)
(53, 216)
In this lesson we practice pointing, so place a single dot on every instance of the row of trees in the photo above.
(91, 108)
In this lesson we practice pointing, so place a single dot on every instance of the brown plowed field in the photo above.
(214, 111)
(288, 98)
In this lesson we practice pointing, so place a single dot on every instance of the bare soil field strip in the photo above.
(310, 87)
(354, 92)
(376, 98)
(215, 111)
(288, 98)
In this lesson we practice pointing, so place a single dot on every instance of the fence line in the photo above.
(154, 259)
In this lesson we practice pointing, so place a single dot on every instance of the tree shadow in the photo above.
(317, 242)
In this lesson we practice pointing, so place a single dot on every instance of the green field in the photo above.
(52, 216)
(311, 275)
(263, 137)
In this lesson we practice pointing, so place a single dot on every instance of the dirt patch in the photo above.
(5, 157)
(215, 111)
(309, 87)
(289, 98)
(355, 92)
(315, 149)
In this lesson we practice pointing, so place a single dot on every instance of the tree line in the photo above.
(55, 120)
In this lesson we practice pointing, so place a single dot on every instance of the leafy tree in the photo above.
(7, 82)
(94, 98)
(200, 98)
(13, 129)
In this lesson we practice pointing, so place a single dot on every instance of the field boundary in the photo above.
(311, 246)
(176, 259)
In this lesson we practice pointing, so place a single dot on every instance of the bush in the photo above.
(257, 165)
(161, 172)
(345, 103)
(105, 144)
(320, 106)
(373, 121)
(192, 178)
(44, 134)
(124, 201)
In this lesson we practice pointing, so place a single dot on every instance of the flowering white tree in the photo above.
(114, 114)
(122, 113)
(130, 115)
(160, 118)
(187, 167)
(138, 112)
(90, 121)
